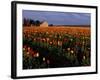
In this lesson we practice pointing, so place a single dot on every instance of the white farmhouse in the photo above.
(44, 24)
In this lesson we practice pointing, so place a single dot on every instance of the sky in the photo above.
(58, 18)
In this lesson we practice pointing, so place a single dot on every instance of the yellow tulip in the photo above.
(43, 58)
(72, 51)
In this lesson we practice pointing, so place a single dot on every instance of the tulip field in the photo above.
(56, 46)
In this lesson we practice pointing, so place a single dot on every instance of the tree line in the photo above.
(31, 22)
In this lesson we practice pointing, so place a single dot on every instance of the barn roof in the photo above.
(43, 22)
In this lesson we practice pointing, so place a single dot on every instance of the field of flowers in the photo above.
(53, 47)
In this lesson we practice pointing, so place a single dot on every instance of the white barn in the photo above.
(44, 24)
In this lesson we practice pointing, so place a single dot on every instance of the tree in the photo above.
(24, 22)
(37, 23)
(27, 22)
(51, 25)
(32, 22)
